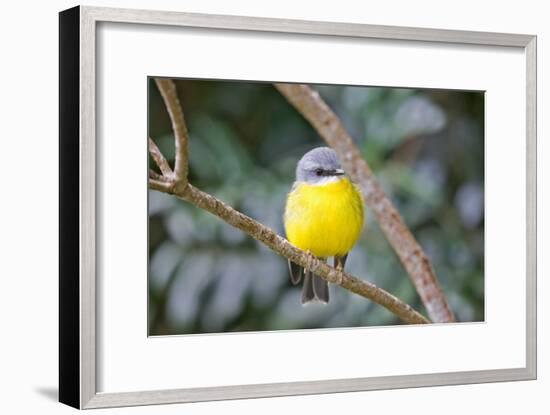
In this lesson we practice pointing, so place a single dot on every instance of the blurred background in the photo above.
(425, 146)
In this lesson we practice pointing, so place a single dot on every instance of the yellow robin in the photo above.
(324, 216)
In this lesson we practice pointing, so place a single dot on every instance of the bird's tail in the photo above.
(315, 289)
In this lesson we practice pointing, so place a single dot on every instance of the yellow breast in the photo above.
(325, 219)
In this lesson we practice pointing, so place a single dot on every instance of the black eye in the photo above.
(319, 172)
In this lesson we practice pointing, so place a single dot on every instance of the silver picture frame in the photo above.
(77, 279)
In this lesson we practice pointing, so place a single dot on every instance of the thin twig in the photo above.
(284, 248)
(169, 94)
(154, 175)
(161, 185)
(310, 104)
(161, 162)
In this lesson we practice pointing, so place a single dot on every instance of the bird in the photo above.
(323, 216)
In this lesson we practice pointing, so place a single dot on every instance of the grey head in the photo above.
(318, 166)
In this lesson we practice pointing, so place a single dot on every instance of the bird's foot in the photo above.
(339, 276)
(310, 260)
(339, 266)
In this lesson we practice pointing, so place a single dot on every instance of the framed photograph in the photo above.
(256, 207)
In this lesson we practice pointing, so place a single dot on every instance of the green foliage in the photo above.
(425, 146)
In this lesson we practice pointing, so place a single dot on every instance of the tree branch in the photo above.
(310, 104)
(284, 248)
(169, 94)
(178, 186)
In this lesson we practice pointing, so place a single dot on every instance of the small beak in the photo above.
(338, 172)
